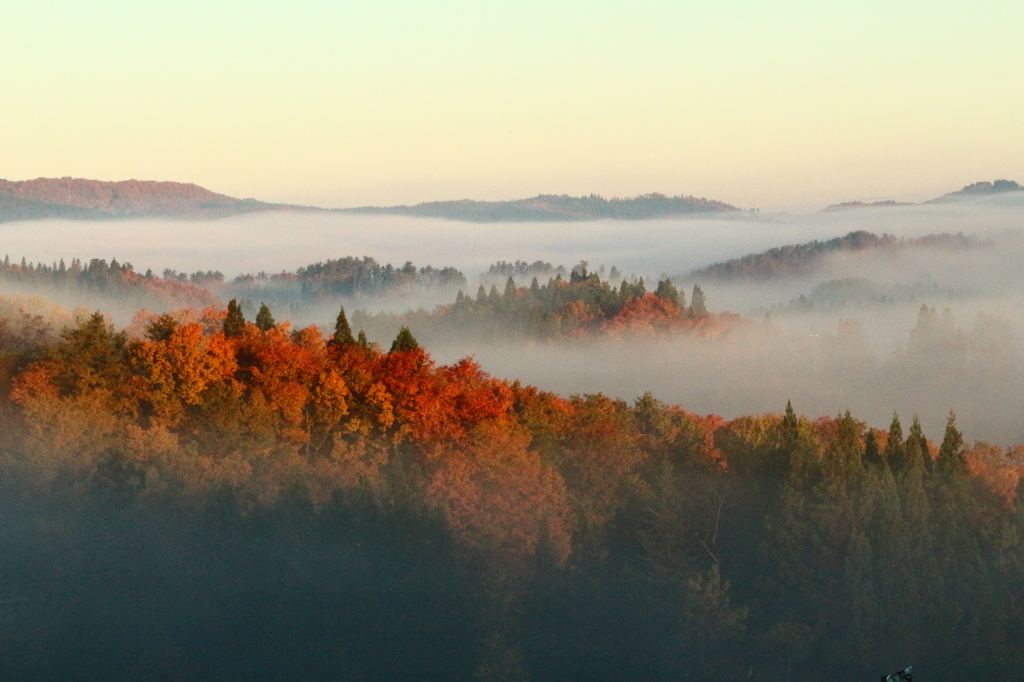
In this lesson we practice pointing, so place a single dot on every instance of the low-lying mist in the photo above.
(278, 241)
(841, 336)
(976, 370)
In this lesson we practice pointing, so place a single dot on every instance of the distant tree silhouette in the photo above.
(698, 306)
(404, 341)
(264, 320)
(342, 330)
(234, 323)
(667, 291)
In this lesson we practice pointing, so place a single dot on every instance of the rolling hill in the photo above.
(972, 191)
(556, 208)
(81, 199)
(799, 259)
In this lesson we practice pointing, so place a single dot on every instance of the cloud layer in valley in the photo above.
(849, 343)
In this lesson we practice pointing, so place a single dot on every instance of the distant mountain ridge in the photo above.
(978, 189)
(553, 208)
(972, 191)
(799, 259)
(849, 205)
(81, 199)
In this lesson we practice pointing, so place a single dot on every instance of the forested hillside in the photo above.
(548, 207)
(800, 259)
(83, 199)
(347, 277)
(79, 198)
(582, 306)
(977, 189)
(112, 283)
(211, 498)
(850, 205)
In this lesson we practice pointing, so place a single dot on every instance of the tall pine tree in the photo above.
(234, 323)
(952, 463)
(916, 446)
(342, 330)
(404, 341)
(698, 306)
(895, 452)
(264, 320)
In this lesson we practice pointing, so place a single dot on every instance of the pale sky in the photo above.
(334, 103)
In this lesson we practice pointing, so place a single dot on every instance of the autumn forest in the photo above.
(469, 342)
(205, 496)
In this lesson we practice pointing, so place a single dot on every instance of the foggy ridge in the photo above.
(978, 189)
(974, 190)
(81, 199)
(848, 205)
(796, 259)
(546, 207)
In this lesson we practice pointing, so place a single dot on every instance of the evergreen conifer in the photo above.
(264, 320)
(161, 328)
(872, 455)
(404, 341)
(952, 463)
(667, 291)
(917, 446)
(510, 290)
(698, 306)
(895, 453)
(342, 330)
(234, 323)
(790, 426)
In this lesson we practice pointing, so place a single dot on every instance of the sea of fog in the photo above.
(272, 242)
(826, 359)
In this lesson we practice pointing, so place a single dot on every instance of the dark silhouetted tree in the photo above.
(895, 451)
(234, 323)
(916, 447)
(698, 306)
(667, 291)
(161, 328)
(790, 426)
(952, 462)
(404, 341)
(264, 320)
(872, 455)
(342, 330)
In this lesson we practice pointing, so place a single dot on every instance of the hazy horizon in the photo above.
(272, 241)
(782, 104)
